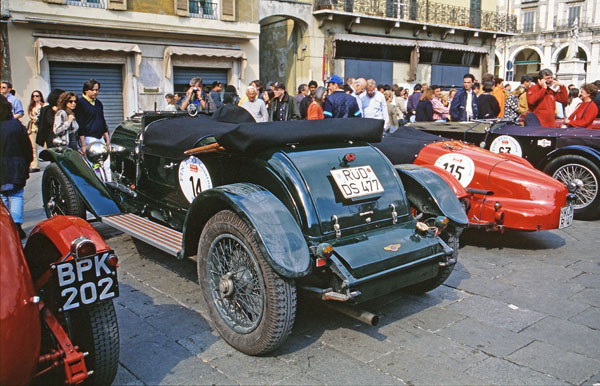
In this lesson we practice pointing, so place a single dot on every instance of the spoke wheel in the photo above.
(249, 304)
(586, 175)
(235, 283)
(58, 194)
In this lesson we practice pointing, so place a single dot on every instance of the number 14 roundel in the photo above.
(193, 178)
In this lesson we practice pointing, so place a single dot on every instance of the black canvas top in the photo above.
(171, 137)
(253, 137)
(404, 144)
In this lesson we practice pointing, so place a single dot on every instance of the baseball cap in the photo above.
(335, 79)
(216, 83)
(279, 85)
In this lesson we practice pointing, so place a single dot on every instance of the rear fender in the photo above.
(432, 194)
(62, 230)
(91, 190)
(275, 230)
(592, 154)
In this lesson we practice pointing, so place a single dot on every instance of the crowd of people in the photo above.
(539, 100)
(64, 119)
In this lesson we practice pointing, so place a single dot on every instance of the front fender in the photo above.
(62, 230)
(584, 151)
(276, 232)
(431, 194)
(91, 190)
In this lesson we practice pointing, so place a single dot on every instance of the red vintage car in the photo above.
(57, 319)
(498, 191)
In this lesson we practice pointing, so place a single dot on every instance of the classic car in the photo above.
(498, 191)
(570, 155)
(57, 319)
(268, 209)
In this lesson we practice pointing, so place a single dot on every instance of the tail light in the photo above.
(324, 252)
(113, 261)
(82, 247)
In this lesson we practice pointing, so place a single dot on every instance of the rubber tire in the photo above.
(452, 239)
(95, 330)
(280, 297)
(74, 206)
(592, 210)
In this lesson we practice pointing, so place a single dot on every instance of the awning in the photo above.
(409, 43)
(203, 52)
(93, 45)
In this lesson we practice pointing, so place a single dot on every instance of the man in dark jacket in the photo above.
(413, 101)
(284, 107)
(339, 104)
(464, 103)
(16, 155)
(90, 117)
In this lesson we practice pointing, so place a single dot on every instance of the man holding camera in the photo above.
(542, 97)
(194, 95)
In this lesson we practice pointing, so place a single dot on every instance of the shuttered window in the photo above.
(182, 76)
(70, 77)
(228, 10)
(182, 7)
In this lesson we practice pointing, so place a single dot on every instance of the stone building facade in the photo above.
(544, 28)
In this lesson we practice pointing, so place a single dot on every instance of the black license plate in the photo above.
(85, 281)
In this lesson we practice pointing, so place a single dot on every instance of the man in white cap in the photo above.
(339, 104)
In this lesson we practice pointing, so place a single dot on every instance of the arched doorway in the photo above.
(580, 55)
(496, 66)
(527, 61)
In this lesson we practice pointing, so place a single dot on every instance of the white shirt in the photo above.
(572, 107)
(375, 107)
(469, 105)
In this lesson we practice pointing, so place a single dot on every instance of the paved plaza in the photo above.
(519, 309)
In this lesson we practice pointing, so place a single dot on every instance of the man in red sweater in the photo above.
(542, 97)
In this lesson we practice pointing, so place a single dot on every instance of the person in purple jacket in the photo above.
(413, 101)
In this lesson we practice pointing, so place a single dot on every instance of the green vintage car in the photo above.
(268, 209)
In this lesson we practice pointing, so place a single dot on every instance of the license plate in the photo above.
(357, 181)
(566, 216)
(85, 281)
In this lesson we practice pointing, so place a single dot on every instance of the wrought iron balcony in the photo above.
(424, 11)
(203, 9)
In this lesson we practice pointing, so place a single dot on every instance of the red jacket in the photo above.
(542, 102)
(584, 115)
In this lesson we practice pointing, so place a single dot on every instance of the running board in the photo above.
(141, 228)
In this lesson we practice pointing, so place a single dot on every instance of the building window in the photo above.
(528, 21)
(574, 14)
(204, 9)
(88, 3)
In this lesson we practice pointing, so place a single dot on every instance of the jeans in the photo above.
(13, 199)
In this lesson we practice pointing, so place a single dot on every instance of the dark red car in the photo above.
(57, 319)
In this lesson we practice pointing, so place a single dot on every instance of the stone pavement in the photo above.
(519, 309)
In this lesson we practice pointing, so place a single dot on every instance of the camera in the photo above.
(195, 89)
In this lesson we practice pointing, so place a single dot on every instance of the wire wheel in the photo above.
(58, 194)
(584, 178)
(236, 283)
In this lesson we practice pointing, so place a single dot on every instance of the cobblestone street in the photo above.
(519, 308)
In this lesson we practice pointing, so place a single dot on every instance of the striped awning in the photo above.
(366, 39)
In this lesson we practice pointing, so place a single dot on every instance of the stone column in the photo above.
(593, 70)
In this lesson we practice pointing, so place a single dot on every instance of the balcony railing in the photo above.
(424, 11)
(204, 9)
(88, 3)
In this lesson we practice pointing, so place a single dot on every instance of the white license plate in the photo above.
(566, 216)
(85, 281)
(357, 181)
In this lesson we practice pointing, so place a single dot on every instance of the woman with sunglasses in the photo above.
(65, 125)
(36, 102)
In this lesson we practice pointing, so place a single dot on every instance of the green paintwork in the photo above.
(92, 191)
(431, 194)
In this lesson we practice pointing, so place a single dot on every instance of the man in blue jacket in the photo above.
(339, 104)
(464, 104)
(89, 114)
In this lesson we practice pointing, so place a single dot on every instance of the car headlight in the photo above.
(96, 152)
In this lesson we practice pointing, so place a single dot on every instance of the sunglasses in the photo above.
(73, 101)
(36, 96)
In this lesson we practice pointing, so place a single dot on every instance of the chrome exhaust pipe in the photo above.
(361, 315)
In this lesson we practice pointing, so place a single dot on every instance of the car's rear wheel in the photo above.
(586, 175)
(58, 194)
(451, 237)
(249, 304)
